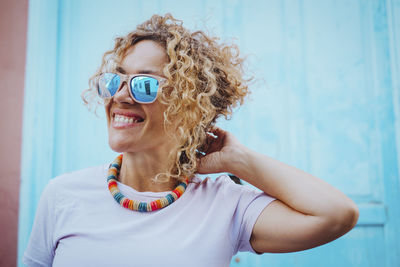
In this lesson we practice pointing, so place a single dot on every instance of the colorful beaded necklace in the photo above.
(113, 172)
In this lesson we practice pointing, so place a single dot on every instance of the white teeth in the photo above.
(125, 119)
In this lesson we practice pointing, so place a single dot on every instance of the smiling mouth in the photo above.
(121, 121)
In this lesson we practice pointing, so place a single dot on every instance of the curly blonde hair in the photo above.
(205, 80)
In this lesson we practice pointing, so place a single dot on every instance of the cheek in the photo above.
(107, 107)
(159, 121)
(156, 111)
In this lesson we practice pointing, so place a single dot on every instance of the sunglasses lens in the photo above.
(108, 84)
(144, 89)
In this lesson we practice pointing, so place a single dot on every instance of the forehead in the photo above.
(144, 57)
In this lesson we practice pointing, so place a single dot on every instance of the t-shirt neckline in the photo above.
(130, 190)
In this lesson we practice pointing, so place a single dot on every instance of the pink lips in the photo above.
(126, 113)
(122, 119)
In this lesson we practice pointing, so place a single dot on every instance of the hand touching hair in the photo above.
(205, 80)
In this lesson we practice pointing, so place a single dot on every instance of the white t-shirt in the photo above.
(78, 223)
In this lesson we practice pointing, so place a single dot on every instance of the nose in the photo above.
(122, 95)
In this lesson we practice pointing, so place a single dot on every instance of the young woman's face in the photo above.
(144, 129)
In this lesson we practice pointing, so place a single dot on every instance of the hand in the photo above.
(222, 148)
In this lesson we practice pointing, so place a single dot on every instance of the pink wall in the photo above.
(13, 27)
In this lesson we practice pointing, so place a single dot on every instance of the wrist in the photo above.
(239, 161)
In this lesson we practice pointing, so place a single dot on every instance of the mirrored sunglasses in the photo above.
(143, 88)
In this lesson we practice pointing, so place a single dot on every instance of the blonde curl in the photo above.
(205, 80)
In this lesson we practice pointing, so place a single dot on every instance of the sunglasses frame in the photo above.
(127, 78)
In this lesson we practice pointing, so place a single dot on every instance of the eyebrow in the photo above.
(120, 70)
(144, 71)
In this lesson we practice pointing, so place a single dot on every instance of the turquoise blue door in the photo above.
(326, 99)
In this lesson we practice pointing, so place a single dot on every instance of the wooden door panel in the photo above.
(322, 100)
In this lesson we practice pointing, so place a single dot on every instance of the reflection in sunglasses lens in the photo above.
(108, 84)
(144, 88)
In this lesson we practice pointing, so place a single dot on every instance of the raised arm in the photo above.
(308, 212)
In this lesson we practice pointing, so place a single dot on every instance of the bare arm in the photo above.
(308, 212)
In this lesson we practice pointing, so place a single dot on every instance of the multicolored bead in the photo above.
(113, 172)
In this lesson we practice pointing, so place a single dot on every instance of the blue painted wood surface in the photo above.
(326, 99)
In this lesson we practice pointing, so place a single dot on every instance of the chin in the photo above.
(118, 147)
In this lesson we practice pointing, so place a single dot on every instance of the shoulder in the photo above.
(83, 177)
(75, 189)
(222, 187)
(76, 184)
(222, 181)
(209, 183)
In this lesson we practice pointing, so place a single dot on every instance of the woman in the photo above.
(163, 88)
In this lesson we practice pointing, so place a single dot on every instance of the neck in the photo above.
(139, 169)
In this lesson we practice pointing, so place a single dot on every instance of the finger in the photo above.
(214, 144)
(216, 131)
(211, 135)
(210, 139)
